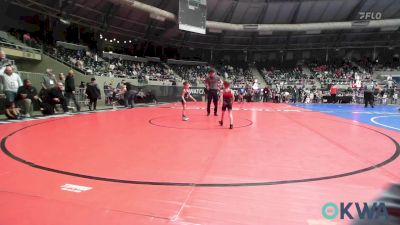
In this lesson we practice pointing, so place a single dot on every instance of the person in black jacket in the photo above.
(93, 93)
(130, 95)
(26, 96)
(54, 96)
(265, 94)
(70, 90)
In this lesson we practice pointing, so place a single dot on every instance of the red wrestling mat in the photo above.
(279, 165)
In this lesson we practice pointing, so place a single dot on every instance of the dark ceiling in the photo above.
(121, 21)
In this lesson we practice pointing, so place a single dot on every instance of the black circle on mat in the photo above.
(267, 183)
(152, 121)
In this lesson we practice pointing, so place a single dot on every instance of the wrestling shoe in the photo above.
(221, 123)
(184, 118)
(231, 126)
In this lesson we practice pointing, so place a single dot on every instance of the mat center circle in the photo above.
(198, 122)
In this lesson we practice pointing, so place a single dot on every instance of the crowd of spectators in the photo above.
(57, 92)
(14, 90)
(324, 73)
(337, 72)
(287, 74)
(196, 74)
(380, 65)
(240, 76)
(91, 64)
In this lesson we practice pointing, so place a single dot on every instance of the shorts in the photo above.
(226, 105)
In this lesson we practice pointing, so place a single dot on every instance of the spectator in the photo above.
(27, 39)
(389, 81)
(141, 94)
(12, 112)
(395, 97)
(70, 90)
(93, 93)
(26, 95)
(3, 59)
(121, 84)
(151, 97)
(61, 78)
(108, 92)
(130, 95)
(55, 96)
(265, 94)
(10, 82)
(333, 93)
(49, 81)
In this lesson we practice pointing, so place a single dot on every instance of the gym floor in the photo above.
(279, 165)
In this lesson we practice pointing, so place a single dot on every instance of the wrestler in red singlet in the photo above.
(228, 96)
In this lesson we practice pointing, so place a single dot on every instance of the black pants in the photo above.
(50, 106)
(276, 99)
(265, 98)
(63, 103)
(369, 99)
(130, 98)
(333, 98)
(212, 95)
(294, 98)
(92, 103)
(68, 97)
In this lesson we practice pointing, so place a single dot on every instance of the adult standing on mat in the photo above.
(212, 83)
(369, 89)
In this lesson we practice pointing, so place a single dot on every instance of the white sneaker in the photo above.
(184, 118)
(27, 115)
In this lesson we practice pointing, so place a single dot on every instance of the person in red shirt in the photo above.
(333, 93)
(228, 96)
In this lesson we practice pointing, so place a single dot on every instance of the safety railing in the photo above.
(20, 47)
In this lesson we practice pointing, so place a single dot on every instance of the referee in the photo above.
(212, 83)
(369, 89)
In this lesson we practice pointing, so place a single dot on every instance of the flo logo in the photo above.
(370, 15)
(377, 211)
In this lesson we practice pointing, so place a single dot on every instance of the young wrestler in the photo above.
(228, 97)
(185, 95)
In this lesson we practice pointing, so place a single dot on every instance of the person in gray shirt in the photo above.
(213, 84)
(50, 80)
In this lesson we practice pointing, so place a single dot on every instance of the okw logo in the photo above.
(377, 211)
